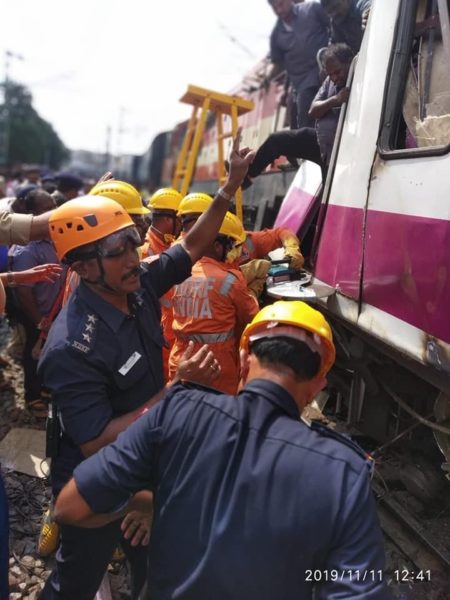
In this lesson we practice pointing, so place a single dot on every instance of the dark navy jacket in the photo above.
(249, 500)
(100, 363)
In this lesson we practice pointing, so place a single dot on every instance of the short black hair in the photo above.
(31, 198)
(341, 52)
(289, 352)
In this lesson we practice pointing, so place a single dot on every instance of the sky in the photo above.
(124, 64)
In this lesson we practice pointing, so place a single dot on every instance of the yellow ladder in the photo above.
(203, 101)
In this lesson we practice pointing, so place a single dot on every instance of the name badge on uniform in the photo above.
(130, 363)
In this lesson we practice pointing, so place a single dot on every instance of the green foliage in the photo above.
(31, 139)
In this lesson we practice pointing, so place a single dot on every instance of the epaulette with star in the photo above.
(85, 338)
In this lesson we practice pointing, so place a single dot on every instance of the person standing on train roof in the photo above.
(300, 32)
(251, 501)
(165, 225)
(214, 305)
(346, 21)
(102, 361)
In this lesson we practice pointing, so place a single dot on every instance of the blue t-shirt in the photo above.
(249, 500)
(295, 47)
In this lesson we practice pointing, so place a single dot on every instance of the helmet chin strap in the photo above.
(225, 244)
(100, 281)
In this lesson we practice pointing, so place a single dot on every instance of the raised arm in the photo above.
(206, 228)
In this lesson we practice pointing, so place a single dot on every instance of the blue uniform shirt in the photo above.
(296, 47)
(100, 363)
(348, 29)
(249, 500)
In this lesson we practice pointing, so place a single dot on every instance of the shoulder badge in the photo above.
(85, 338)
(345, 439)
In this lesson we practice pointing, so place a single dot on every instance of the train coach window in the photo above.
(417, 105)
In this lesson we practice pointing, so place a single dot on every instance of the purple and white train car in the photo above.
(381, 241)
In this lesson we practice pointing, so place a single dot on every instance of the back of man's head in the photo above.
(293, 334)
(288, 352)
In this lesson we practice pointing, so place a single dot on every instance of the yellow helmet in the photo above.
(232, 227)
(299, 315)
(165, 199)
(122, 192)
(194, 203)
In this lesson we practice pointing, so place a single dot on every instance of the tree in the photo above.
(25, 137)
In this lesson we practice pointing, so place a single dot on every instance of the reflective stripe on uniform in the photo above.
(165, 302)
(227, 284)
(249, 244)
(205, 338)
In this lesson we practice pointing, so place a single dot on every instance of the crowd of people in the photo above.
(175, 430)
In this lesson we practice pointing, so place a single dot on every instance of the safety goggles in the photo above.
(116, 244)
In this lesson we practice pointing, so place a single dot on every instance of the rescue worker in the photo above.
(162, 233)
(213, 306)
(256, 245)
(165, 226)
(102, 361)
(128, 197)
(276, 506)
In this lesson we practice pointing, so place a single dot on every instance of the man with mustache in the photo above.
(103, 358)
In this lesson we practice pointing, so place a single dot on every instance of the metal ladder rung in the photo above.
(224, 136)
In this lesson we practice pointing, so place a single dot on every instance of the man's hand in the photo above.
(200, 367)
(240, 160)
(105, 177)
(136, 527)
(49, 272)
(342, 96)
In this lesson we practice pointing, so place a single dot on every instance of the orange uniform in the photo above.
(153, 244)
(212, 307)
(259, 243)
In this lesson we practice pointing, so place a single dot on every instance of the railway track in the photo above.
(410, 536)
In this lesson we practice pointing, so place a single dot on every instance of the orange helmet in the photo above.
(85, 220)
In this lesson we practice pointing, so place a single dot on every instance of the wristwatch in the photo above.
(10, 280)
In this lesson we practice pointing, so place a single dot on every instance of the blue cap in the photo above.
(69, 180)
(22, 191)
